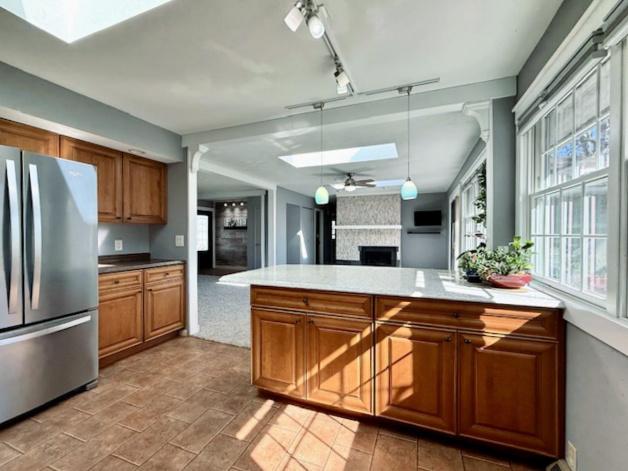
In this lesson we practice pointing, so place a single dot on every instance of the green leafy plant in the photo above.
(511, 260)
(480, 200)
(472, 260)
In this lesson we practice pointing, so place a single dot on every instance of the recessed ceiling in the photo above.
(193, 65)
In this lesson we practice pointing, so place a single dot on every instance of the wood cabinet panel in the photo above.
(279, 352)
(471, 316)
(145, 190)
(416, 376)
(125, 279)
(164, 308)
(120, 323)
(28, 138)
(509, 392)
(319, 302)
(108, 165)
(339, 363)
(169, 272)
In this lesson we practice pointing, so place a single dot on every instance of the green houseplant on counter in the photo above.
(504, 267)
(470, 263)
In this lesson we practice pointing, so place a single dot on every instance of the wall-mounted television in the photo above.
(427, 218)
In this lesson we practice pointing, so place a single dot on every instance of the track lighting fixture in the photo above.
(342, 80)
(305, 10)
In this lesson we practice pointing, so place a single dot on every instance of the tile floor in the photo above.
(187, 404)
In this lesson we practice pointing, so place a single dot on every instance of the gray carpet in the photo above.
(223, 311)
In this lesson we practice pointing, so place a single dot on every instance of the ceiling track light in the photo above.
(306, 10)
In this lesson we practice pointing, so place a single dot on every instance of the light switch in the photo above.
(118, 246)
(179, 241)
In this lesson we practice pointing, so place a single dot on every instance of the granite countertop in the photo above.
(406, 282)
(114, 264)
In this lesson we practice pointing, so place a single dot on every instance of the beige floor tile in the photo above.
(310, 448)
(7, 453)
(294, 464)
(219, 454)
(111, 463)
(138, 379)
(248, 423)
(348, 459)
(61, 415)
(95, 424)
(394, 453)
(197, 435)
(141, 419)
(292, 417)
(26, 434)
(356, 435)
(439, 457)
(142, 446)
(91, 452)
(268, 450)
(474, 464)
(99, 401)
(495, 457)
(169, 458)
(175, 389)
(195, 406)
(43, 454)
(231, 403)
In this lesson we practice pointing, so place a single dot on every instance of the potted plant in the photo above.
(508, 267)
(470, 262)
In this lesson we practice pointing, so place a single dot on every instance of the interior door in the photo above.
(11, 243)
(308, 237)
(60, 237)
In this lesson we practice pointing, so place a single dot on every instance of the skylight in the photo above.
(71, 20)
(343, 156)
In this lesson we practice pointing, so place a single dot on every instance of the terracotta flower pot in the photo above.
(510, 281)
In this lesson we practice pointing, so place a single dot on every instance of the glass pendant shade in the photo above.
(409, 190)
(322, 195)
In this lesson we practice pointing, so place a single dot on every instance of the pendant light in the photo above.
(408, 189)
(322, 195)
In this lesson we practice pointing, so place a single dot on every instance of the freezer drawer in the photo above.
(42, 362)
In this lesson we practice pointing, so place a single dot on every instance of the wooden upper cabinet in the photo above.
(108, 164)
(279, 351)
(339, 363)
(145, 190)
(416, 376)
(28, 138)
(509, 392)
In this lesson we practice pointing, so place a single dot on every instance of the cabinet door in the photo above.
(28, 138)
(145, 191)
(339, 363)
(416, 376)
(108, 164)
(164, 308)
(278, 351)
(509, 392)
(119, 320)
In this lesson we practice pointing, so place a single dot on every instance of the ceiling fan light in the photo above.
(350, 187)
(316, 26)
(322, 195)
(409, 190)
(294, 18)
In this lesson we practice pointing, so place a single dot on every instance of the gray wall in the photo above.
(504, 172)
(162, 237)
(39, 98)
(285, 197)
(135, 238)
(424, 250)
(566, 17)
(597, 402)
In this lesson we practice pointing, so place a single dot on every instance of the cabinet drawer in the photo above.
(345, 304)
(124, 279)
(486, 318)
(163, 273)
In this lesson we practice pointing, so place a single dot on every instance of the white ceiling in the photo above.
(440, 143)
(212, 186)
(193, 65)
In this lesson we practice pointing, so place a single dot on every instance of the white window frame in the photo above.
(470, 183)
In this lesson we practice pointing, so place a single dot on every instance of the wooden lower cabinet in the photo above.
(339, 363)
(120, 320)
(509, 392)
(279, 352)
(164, 308)
(415, 380)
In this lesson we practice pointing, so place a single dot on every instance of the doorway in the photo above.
(205, 240)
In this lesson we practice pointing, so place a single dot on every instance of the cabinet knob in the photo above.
(456, 315)
(167, 274)
(306, 301)
(311, 321)
(448, 339)
(467, 341)
(115, 282)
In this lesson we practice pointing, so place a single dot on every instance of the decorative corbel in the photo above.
(480, 111)
(197, 154)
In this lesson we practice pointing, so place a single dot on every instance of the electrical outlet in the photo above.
(118, 246)
(571, 457)
(179, 241)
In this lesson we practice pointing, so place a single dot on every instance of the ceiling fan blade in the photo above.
(365, 182)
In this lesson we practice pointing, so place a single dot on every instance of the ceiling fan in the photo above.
(351, 184)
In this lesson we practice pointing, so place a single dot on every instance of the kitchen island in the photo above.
(415, 346)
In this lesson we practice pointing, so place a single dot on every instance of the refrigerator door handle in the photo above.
(46, 331)
(37, 236)
(14, 218)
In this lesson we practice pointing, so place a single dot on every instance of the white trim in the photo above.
(592, 319)
(591, 20)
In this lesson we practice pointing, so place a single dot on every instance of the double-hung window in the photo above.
(567, 195)
(474, 232)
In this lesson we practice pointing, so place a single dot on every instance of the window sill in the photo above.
(592, 319)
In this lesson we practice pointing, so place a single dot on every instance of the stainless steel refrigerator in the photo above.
(48, 279)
